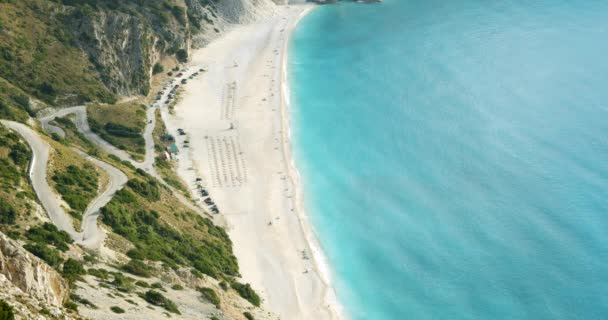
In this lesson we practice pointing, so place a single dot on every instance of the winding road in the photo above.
(90, 236)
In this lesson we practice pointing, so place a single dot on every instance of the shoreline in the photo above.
(320, 260)
(235, 125)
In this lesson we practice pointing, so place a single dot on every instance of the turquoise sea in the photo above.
(454, 155)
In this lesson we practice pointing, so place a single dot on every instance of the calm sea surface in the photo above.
(454, 155)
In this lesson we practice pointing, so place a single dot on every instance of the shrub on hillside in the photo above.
(6, 311)
(47, 233)
(8, 215)
(158, 68)
(147, 189)
(158, 299)
(117, 309)
(209, 295)
(73, 269)
(77, 186)
(181, 55)
(246, 292)
(137, 267)
(49, 255)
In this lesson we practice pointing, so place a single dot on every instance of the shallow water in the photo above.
(454, 155)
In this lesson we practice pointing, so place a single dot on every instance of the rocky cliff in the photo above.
(124, 43)
(67, 52)
(28, 283)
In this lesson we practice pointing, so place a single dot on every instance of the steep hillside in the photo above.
(67, 52)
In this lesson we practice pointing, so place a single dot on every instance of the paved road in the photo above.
(82, 124)
(147, 165)
(90, 236)
(38, 173)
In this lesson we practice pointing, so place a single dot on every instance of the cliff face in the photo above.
(119, 47)
(74, 51)
(124, 44)
(29, 284)
(30, 274)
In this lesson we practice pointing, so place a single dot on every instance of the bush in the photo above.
(142, 284)
(73, 269)
(149, 190)
(50, 255)
(247, 293)
(20, 154)
(137, 267)
(8, 215)
(156, 240)
(248, 315)
(119, 130)
(6, 311)
(116, 309)
(181, 55)
(76, 298)
(99, 273)
(177, 287)
(70, 305)
(77, 186)
(223, 285)
(209, 295)
(122, 283)
(158, 68)
(48, 233)
(158, 299)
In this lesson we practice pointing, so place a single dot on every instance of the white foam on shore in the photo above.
(322, 266)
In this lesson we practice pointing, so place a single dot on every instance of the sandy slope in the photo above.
(236, 123)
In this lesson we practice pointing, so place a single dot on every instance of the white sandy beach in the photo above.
(236, 119)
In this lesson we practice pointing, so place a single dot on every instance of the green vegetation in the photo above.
(157, 285)
(47, 233)
(49, 255)
(38, 57)
(245, 291)
(69, 304)
(77, 186)
(122, 125)
(177, 287)
(181, 55)
(248, 315)
(158, 68)
(209, 295)
(224, 285)
(158, 299)
(8, 215)
(40, 238)
(137, 267)
(100, 274)
(147, 189)
(16, 193)
(157, 241)
(117, 309)
(14, 104)
(73, 269)
(122, 283)
(6, 311)
(76, 298)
